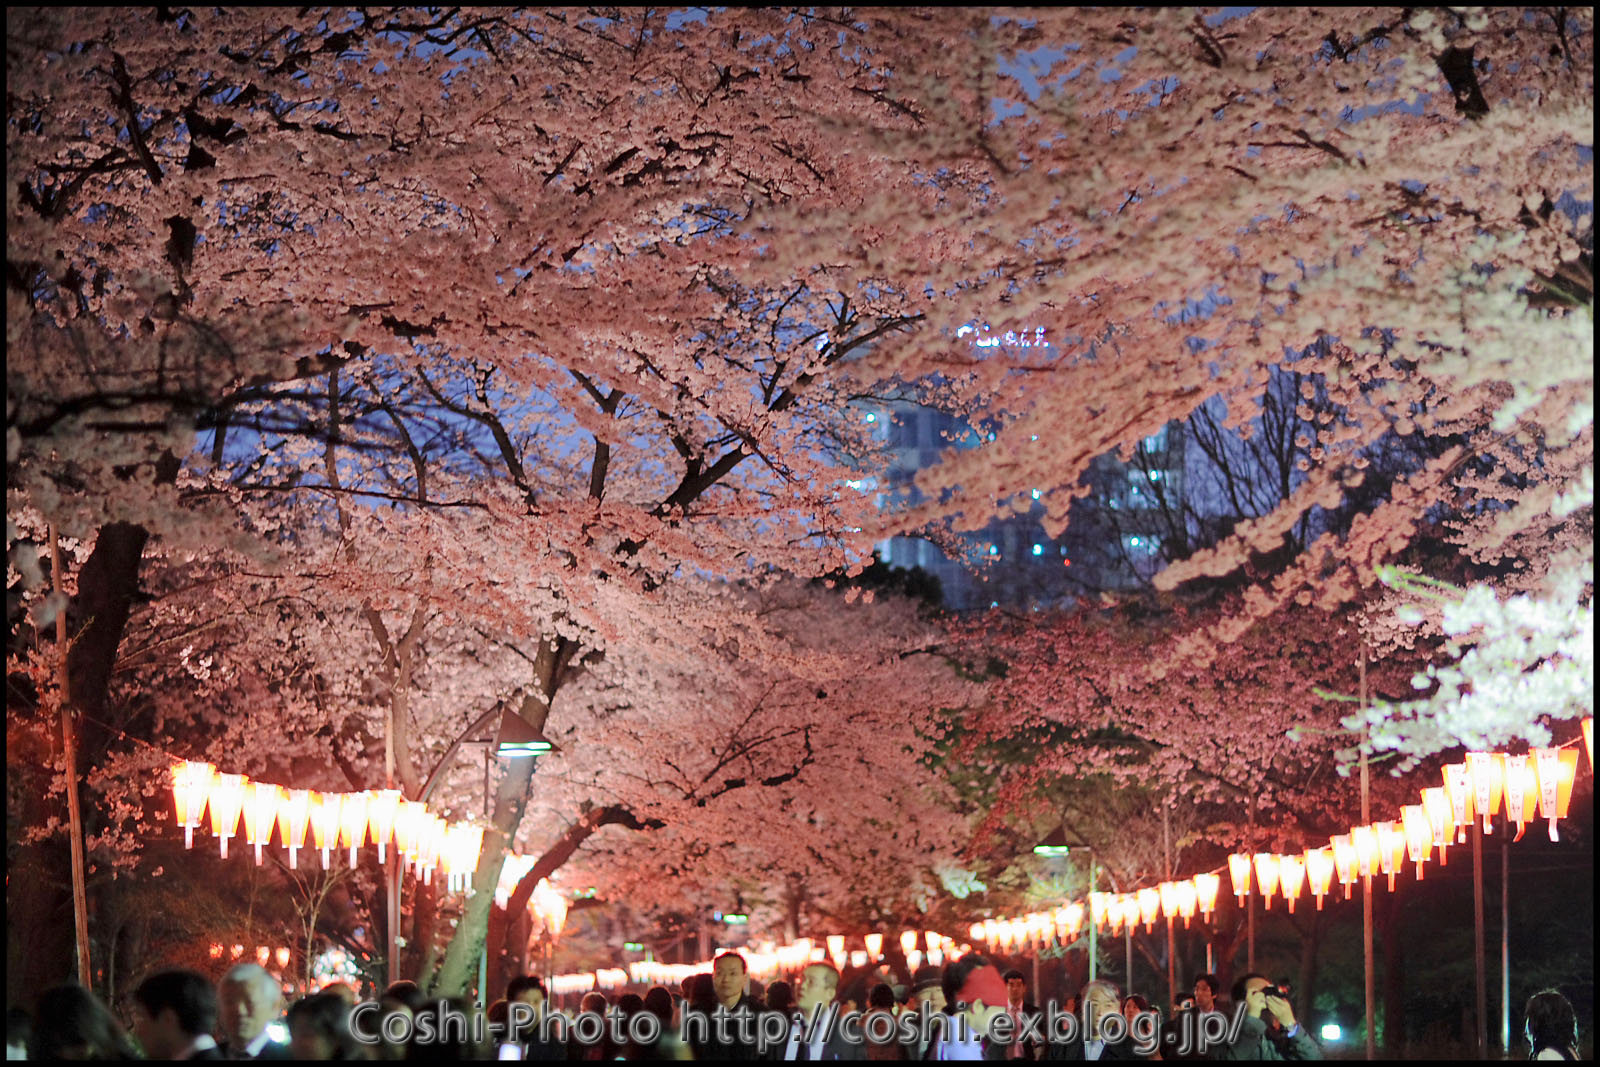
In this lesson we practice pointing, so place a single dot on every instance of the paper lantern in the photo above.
(1365, 842)
(294, 816)
(1291, 878)
(1266, 876)
(325, 811)
(551, 907)
(1168, 891)
(216, 950)
(975, 931)
(408, 818)
(1522, 791)
(1458, 787)
(836, 949)
(933, 940)
(191, 784)
(238, 950)
(1485, 769)
(908, 942)
(1187, 897)
(261, 814)
(1588, 741)
(1319, 873)
(1436, 802)
(462, 844)
(1205, 891)
(226, 804)
(1556, 768)
(1099, 909)
(1149, 907)
(1113, 912)
(1391, 849)
(1418, 834)
(263, 954)
(381, 812)
(1071, 918)
(283, 956)
(353, 823)
(1239, 871)
(433, 844)
(874, 943)
(1344, 862)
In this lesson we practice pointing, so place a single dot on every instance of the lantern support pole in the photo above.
(1127, 944)
(1094, 927)
(1368, 978)
(69, 749)
(1481, 1021)
(1250, 902)
(1505, 945)
(1172, 945)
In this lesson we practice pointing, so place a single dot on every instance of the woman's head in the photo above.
(1551, 1022)
(318, 1027)
(1133, 1006)
(72, 1024)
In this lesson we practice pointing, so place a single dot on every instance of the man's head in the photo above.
(170, 1010)
(728, 976)
(1205, 991)
(248, 999)
(1100, 998)
(1251, 991)
(1016, 988)
(819, 985)
(528, 989)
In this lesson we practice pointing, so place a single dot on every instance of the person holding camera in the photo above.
(1268, 1030)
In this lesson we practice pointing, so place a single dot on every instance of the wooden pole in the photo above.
(69, 747)
(1505, 945)
(1481, 1022)
(1094, 927)
(1369, 984)
(1172, 945)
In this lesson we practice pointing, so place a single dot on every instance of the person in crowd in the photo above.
(344, 990)
(1268, 1030)
(880, 1003)
(319, 1029)
(448, 1028)
(174, 1013)
(1206, 987)
(658, 1000)
(402, 998)
(926, 1001)
(1020, 1008)
(1551, 1026)
(1095, 1038)
(539, 1040)
(817, 1036)
(780, 997)
(73, 1025)
(729, 980)
(603, 1049)
(248, 999)
(19, 1033)
(1181, 1037)
(1135, 1005)
(974, 995)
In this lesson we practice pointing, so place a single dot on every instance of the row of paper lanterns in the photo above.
(1522, 787)
(382, 817)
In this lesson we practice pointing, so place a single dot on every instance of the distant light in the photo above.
(278, 1033)
(735, 917)
(871, 417)
(1038, 550)
(1037, 494)
(994, 550)
(1066, 563)
(1331, 1031)
(1134, 541)
(632, 946)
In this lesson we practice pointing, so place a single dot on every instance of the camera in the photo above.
(1276, 991)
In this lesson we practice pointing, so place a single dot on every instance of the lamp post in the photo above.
(1056, 845)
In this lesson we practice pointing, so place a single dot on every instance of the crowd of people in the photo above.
(966, 1010)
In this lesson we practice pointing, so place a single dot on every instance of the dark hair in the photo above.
(1239, 983)
(1212, 982)
(498, 1012)
(956, 974)
(780, 996)
(658, 1001)
(882, 996)
(522, 983)
(743, 966)
(190, 996)
(73, 1024)
(327, 1015)
(449, 1042)
(1551, 1022)
(1013, 973)
(1139, 1002)
(402, 990)
(927, 977)
(630, 1004)
(701, 994)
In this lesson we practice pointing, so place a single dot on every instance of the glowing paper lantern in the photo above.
(1149, 907)
(1113, 912)
(1205, 891)
(294, 815)
(216, 950)
(263, 954)
(1319, 873)
(1187, 897)
(1522, 791)
(462, 844)
(1391, 849)
(1588, 741)
(1267, 876)
(1344, 862)
(191, 783)
(908, 942)
(1365, 841)
(283, 956)
(1291, 878)
(226, 803)
(1100, 909)
(381, 812)
(1556, 768)
(238, 950)
(1436, 802)
(933, 940)
(836, 949)
(260, 814)
(1485, 770)
(976, 932)
(1239, 871)
(353, 823)
(1071, 919)
(1168, 891)
(325, 811)
(1458, 787)
(874, 943)
(408, 818)
(1418, 834)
